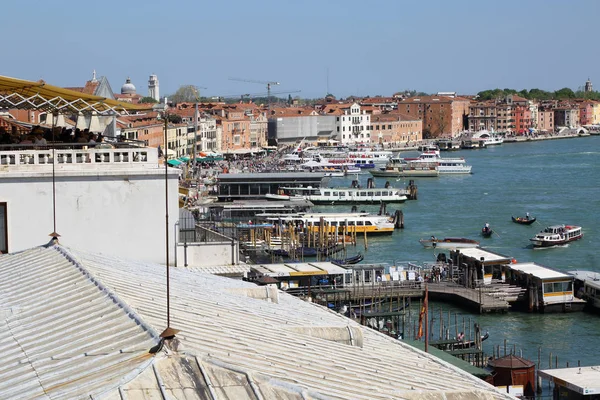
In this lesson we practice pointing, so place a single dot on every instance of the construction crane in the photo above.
(253, 95)
(268, 83)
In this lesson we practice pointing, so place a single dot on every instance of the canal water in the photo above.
(557, 181)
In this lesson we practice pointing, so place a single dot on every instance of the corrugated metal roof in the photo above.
(250, 338)
(63, 334)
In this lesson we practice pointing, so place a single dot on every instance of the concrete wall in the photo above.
(121, 213)
(292, 129)
(207, 254)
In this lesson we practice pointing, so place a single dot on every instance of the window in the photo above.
(3, 229)
(326, 193)
(377, 193)
(370, 194)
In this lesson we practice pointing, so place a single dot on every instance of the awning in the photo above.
(300, 269)
(184, 158)
(30, 95)
(174, 163)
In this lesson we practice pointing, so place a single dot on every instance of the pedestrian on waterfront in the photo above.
(460, 336)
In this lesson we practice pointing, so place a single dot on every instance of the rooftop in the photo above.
(583, 380)
(539, 271)
(77, 324)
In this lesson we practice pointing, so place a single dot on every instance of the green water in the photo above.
(557, 181)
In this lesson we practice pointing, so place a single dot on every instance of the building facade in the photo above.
(482, 116)
(394, 127)
(105, 200)
(545, 122)
(566, 117)
(440, 115)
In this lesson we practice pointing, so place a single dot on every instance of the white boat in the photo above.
(457, 165)
(449, 243)
(489, 138)
(587, 286)
(349, 195)
(557, 235)
(340, 222)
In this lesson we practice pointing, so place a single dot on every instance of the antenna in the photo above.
(327, 82)
(168, 332)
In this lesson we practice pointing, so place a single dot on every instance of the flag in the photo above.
(421, 316)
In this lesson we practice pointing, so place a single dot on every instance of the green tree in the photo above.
(185, 94)
(174, 118)
(564, 93)
(148, 100)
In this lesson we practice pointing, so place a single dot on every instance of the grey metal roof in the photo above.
(77, 324)
(282, 176)
(62, 333)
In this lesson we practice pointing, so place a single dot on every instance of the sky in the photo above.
(343, 47)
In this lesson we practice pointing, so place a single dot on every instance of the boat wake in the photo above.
(551, 247)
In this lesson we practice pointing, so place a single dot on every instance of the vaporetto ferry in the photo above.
(349, 195)
(341, 222)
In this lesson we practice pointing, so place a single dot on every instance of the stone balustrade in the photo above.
(90, 156)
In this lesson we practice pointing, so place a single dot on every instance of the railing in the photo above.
(204, 235)
(43, 155)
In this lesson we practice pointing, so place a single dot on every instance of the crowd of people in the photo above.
(42, 137)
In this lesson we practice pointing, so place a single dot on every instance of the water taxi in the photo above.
(556, 235)
(449, 243)
(349, 195)
(332, 222)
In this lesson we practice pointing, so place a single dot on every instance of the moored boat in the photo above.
(342, 222)
(449, 243)
(349, 195)
(556, 235)
(523, 220)
(413, 170)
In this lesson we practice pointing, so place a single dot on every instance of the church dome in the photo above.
(128, 87)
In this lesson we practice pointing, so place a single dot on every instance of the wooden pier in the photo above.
(478, 299)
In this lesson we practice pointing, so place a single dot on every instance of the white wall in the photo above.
(207, 254)
(121, 213)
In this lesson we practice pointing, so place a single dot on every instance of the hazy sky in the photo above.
(349, 47)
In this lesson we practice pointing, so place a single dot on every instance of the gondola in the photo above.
(487, 232)
(347, 261)
(467, 344)
(524, 220)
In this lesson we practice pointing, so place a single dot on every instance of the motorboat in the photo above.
(556, 235)
(449, 243)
